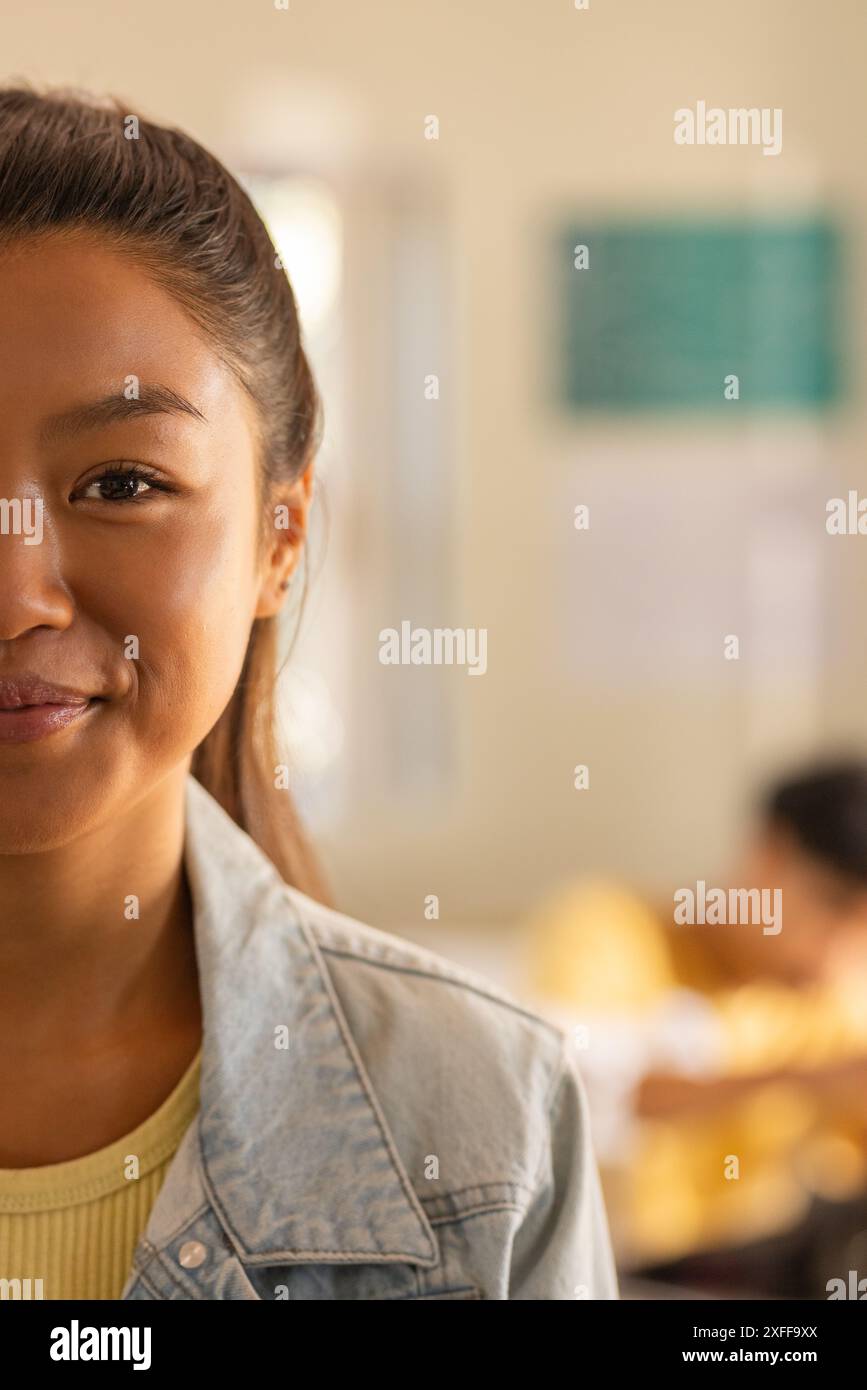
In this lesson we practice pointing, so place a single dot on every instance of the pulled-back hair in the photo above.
(68, 164)
(825, 808)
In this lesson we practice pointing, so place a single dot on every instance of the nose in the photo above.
(32, 592)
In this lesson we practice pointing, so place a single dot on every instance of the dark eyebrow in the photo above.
(152, 400)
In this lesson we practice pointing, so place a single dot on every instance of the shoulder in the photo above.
(407, 970)
(423, 1103)
(460, 1072)
(391, 985)
(455, 1061)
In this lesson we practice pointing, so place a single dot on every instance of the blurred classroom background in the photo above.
(427, 172)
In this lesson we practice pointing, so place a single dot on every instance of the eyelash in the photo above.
(137, 472)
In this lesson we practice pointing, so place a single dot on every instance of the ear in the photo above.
(289, 510)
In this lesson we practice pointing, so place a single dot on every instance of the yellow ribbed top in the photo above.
(75, 1225)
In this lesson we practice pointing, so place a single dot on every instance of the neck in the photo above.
(77, 966)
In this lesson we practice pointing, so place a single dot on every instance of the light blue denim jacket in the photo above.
(421, 1136)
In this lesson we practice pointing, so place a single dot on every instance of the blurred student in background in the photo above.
(727, 1065)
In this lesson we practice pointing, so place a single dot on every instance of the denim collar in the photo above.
(295, 1155)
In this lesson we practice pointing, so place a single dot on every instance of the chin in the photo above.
(37, 829)
(49, 806)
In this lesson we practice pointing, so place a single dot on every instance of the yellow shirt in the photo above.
(71, 1228)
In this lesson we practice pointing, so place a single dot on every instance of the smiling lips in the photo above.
(31, 708)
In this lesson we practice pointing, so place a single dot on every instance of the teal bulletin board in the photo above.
(666, 310)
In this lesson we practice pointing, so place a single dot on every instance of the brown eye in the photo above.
(119, 485)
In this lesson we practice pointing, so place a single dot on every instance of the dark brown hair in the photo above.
(77, 164)
(824, 806)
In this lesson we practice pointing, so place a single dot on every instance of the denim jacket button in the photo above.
(192, 1253)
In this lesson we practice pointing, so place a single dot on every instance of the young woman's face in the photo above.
(138, 595)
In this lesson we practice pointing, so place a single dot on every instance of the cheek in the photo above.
(189, 600)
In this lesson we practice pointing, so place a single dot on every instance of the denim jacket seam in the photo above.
(476, 1187)
(484, 1209)
(168, 1272)
(471, 1290)
(276, 1257)
(149, 1284)
(361, 1073)
(141, 1267)
(143, 1256)
(556, 1082)
(559, 1072)
(353, 1256)
(443, 979)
